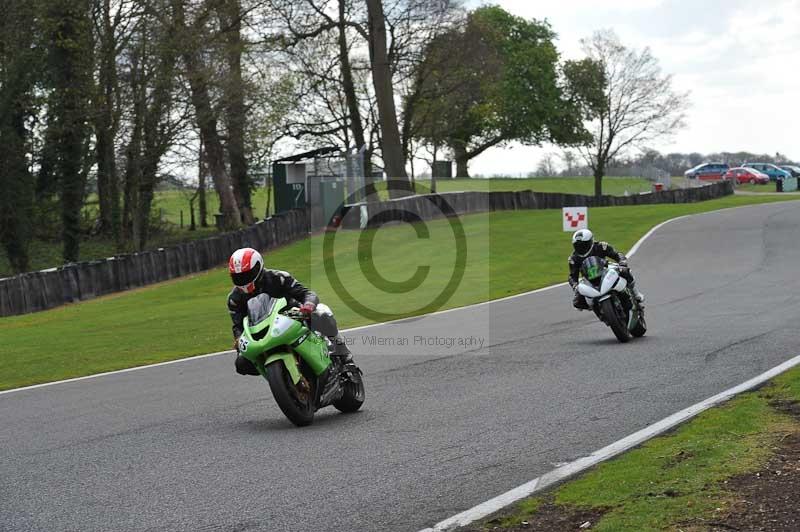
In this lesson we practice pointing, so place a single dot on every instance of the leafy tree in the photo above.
(19, 59)
(70, 71)
(492, 81)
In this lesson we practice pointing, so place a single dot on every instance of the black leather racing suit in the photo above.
(277, 283)
(604, 251)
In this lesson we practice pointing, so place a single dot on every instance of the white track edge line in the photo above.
(561, 473)
(633, 250)
(105, 373)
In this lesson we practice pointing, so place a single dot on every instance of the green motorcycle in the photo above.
(296, 362)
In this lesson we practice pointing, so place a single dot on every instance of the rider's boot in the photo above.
(340, 350)
(244, 366)
(636, 293)
(579, 302)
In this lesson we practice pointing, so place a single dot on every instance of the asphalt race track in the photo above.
(192, 446)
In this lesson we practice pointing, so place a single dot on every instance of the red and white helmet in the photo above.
(245, 265)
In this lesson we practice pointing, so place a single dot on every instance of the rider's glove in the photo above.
(307, 308)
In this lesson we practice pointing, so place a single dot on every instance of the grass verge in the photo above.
(764, 189)
(508, 253)
(676, 481)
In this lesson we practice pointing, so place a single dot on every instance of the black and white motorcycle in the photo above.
(608, 295)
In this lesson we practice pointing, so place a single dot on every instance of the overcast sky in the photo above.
(740, 60)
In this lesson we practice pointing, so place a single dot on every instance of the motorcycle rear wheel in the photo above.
(289, 399)
(618, 326)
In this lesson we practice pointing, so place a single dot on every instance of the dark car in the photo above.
(707, 171)
(792, 169)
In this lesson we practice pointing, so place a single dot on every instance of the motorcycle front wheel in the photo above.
(641, 327)
(617, 323)
(353, 393)
(296, 405)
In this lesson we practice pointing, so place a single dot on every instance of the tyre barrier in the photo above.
(36, 291)
(430, 206)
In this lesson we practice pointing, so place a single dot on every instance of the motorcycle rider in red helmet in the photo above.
(250, 278)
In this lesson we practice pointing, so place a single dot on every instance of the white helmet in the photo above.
(582, 242)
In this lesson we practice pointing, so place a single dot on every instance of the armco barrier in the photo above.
(35, 291)
(430, 206)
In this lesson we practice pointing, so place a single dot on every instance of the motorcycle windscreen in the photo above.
(592, 269)
(259, 308)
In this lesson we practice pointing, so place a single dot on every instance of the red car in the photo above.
(746, 175)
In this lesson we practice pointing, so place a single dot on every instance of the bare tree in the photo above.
(115, 22)
(569, 159)
(191, 34)
(391, 144)
(325, 43)
(148, 77)
(547, 166)
(638, 107)
(230, 15)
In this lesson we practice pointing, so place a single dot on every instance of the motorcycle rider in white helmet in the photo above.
(584, 246)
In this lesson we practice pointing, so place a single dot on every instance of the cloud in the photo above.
(736, 57)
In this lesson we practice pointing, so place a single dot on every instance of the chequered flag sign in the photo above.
(575, 218)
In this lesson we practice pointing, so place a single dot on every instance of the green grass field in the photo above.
(508, 253)
(676, 481)
(764, 189)
(612, 186)
(170, 203)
